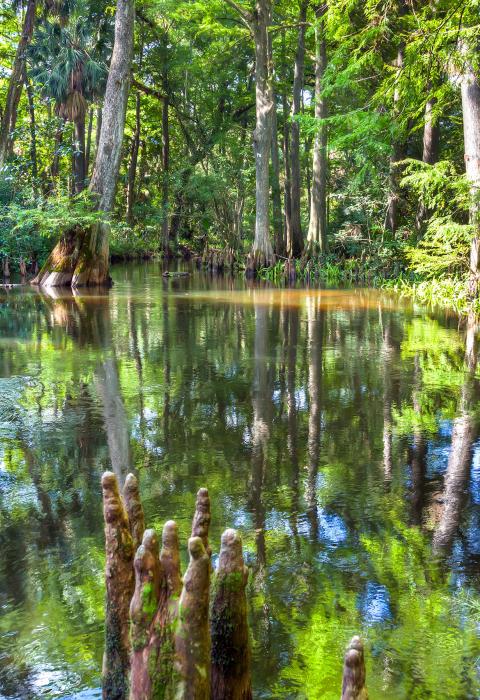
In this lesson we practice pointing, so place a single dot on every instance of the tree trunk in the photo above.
(431, 144)
(132, 169)
(262, 252)
(89, 142)
(33, 130)
(81, 257)
(286, 154)
(98, 127)
(79, 154)
(471, 135)
(295, 243)
(398, 154)
(317, 228)
(165, 175)
(55, 169)
(15, 84)
(276, 193)
(279, 246)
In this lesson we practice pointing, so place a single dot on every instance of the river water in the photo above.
(337, 430)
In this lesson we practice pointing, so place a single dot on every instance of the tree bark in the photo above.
(15, 84)
(295, 242)
(431, 144)
(317, 228)
(276, 192)
(55, 169)
(79, 154)
(88, 150)
(279, 247)
(229, 624)
(119, 583)
(192, 637)
(470, 88)
(98, 127)
(353, 681)
(33, 130)
(81, 258)
(165, 176)
(132, 169)
(286, 153)
(398, 154)
(262, 252)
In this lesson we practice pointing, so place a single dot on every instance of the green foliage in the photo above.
(29, 225)
(201, 54)
(52, 215)
(445, 291)
(444, 249)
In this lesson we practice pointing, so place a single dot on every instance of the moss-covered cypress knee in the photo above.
(201, 518)
(353, 686)
(133, 504)
(143, 609)
(231, 679)
(170, 558)
(192, 638)
(119, 582)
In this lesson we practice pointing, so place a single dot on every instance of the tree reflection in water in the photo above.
(324, 423)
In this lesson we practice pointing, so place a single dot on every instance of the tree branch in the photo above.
(148, 90)
(246, 16)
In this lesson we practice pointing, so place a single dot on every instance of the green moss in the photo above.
(149, 600)
(161, 665)
(232, 582)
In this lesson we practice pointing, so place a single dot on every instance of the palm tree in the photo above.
(69, 64)
(28, 15)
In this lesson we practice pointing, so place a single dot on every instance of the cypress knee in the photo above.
(170, 558)
(353, 686)
(231, 678)
(192, 638)
(143, 609)
(133, 504)
(119, 589)
(201, 518)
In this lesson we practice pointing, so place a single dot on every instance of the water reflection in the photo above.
(336, 429)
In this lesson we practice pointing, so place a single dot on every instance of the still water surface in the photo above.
(336, 429)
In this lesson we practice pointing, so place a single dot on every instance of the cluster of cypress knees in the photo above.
(164, 638)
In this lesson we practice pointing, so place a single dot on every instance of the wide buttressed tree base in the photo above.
(80, 259)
